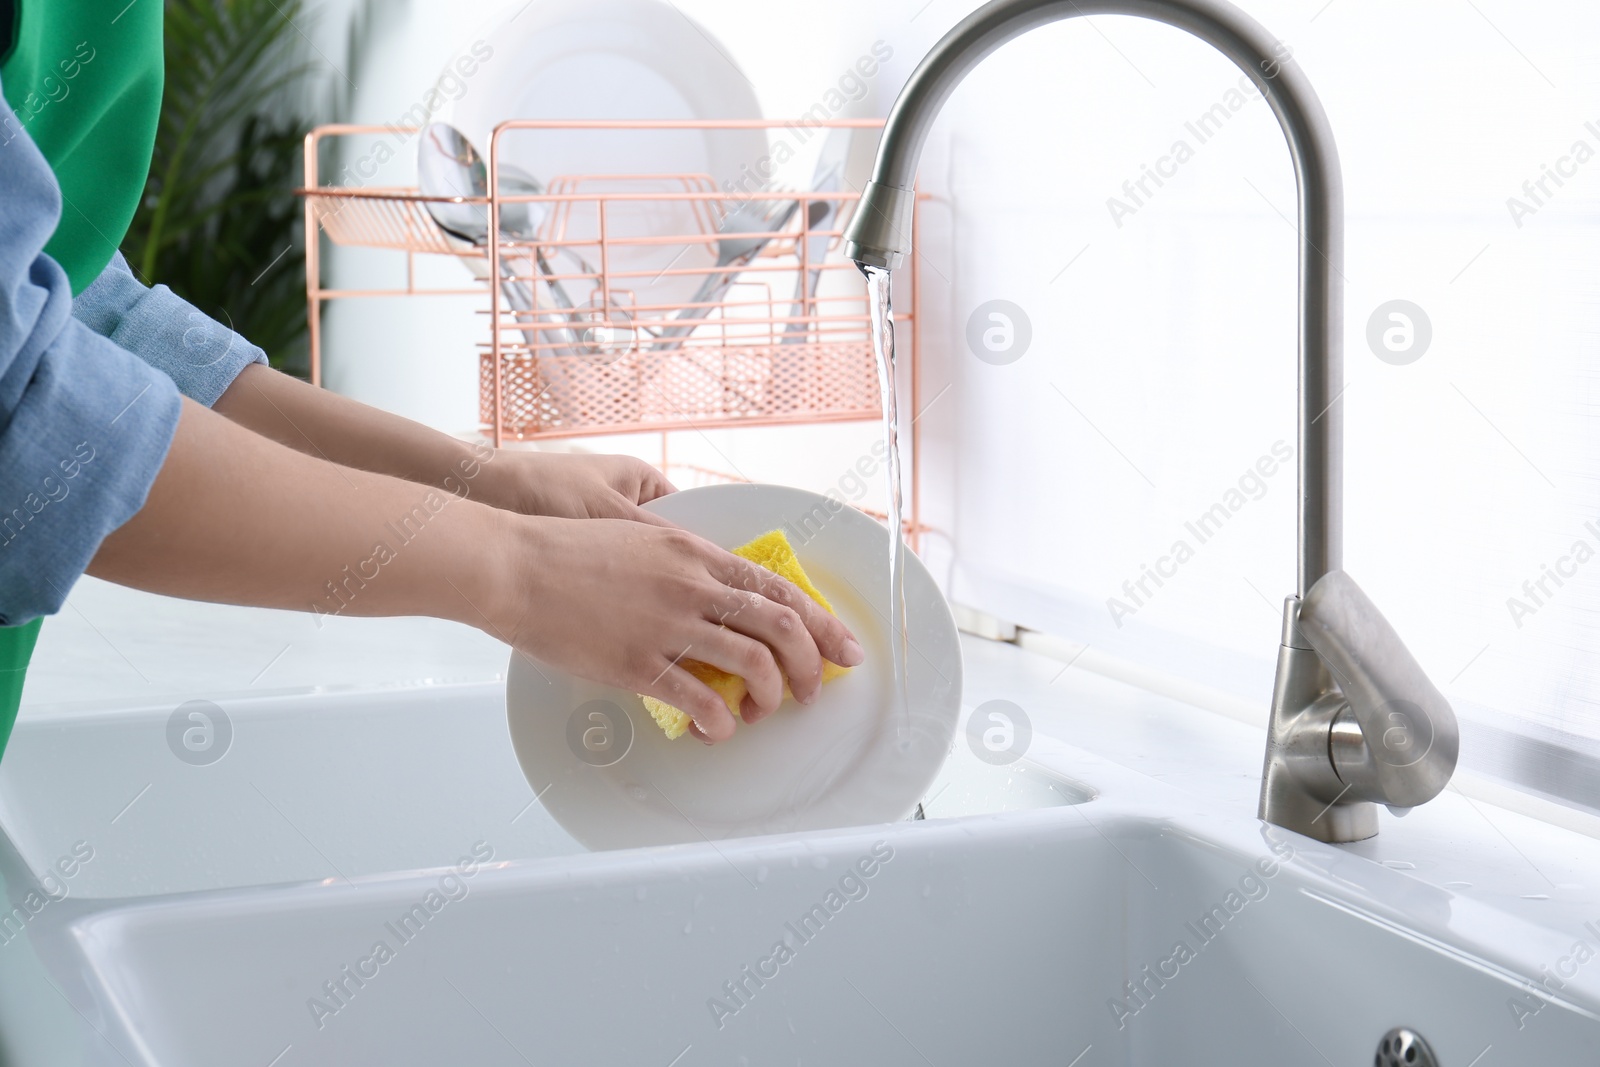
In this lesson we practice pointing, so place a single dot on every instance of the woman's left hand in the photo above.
(569, 485)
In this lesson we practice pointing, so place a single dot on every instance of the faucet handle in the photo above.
(1397, 742)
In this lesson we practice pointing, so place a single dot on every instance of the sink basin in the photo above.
(365, 877)
(1031, 937)
(968, 786)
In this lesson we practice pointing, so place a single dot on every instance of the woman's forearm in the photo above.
(352, 434)
(236, 518)
(344, 431)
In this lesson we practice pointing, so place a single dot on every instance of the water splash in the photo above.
(880, 316)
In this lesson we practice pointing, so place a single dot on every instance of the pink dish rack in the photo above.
(765, 351)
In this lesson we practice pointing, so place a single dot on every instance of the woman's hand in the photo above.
(625, 603)
(568, 485)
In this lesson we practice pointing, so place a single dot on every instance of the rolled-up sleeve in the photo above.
(166, 331)
(84, 424)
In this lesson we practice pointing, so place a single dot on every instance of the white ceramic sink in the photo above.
(1005, 929)
(989, 939)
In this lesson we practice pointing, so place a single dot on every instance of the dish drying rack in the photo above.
(606, 337)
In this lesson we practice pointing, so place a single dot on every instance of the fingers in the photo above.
(640, 481)
(750, 713)
(756, 625)
(781, 630)
(712, 720)
(733, 652)
(638, 514)
(654, 484)
(831, 637)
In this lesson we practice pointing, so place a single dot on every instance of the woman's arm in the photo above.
(345, 431)
(212, 364)
(237, 518)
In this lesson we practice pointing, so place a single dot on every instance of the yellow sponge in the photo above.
(772, 551)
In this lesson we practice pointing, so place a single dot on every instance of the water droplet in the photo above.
(1458, 885)
(1399, 865)
(1536, 896)
(761, 873)
(688, 927)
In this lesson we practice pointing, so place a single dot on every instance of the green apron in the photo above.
(83, 78)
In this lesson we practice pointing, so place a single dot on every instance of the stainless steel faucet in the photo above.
(1355, 722)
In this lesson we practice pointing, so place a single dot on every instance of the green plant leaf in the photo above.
(219, 223)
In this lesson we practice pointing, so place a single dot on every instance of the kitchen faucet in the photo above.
(1354, 720)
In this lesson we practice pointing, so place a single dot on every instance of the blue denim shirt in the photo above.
(199, 354)
(89, 393)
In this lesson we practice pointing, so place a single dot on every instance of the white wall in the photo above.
(1174, 335)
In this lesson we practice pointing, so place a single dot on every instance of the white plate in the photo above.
(851, 758)
(616, 59)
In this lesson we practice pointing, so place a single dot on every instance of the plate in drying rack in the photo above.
(615, 59)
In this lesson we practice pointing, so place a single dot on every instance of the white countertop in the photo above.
(111, 643)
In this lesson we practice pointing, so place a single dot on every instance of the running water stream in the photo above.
(880, 315)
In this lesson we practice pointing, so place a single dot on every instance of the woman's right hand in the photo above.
(626, 603)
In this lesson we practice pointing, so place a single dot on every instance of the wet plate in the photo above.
(611, 778)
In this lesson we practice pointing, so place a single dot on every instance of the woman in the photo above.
(146, 444)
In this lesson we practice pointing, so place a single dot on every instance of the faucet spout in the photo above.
(1329, 754)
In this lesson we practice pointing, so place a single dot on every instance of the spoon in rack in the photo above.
(751, 227)
(449, 166)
